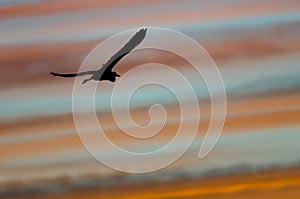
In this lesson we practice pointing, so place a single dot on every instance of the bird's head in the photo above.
(114, 76)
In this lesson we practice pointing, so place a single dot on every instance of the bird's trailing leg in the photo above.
(91, 72)
(64, 75)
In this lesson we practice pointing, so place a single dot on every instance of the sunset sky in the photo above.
(254, 44)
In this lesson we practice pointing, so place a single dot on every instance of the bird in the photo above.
(105, 73)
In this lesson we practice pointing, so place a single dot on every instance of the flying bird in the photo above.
(105, 72)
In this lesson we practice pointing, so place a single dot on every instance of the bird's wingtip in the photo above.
(85, 81)
(143, 29)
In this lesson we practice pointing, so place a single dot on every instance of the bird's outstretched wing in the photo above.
(73, 74)
(129, 46)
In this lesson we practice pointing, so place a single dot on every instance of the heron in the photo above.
(105, 72)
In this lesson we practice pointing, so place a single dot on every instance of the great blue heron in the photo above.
(105, 72)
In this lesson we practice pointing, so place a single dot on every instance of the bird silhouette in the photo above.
(105, 72)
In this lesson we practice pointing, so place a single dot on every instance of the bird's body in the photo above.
(105, 72)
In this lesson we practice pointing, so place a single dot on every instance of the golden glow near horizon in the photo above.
(266, 185)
